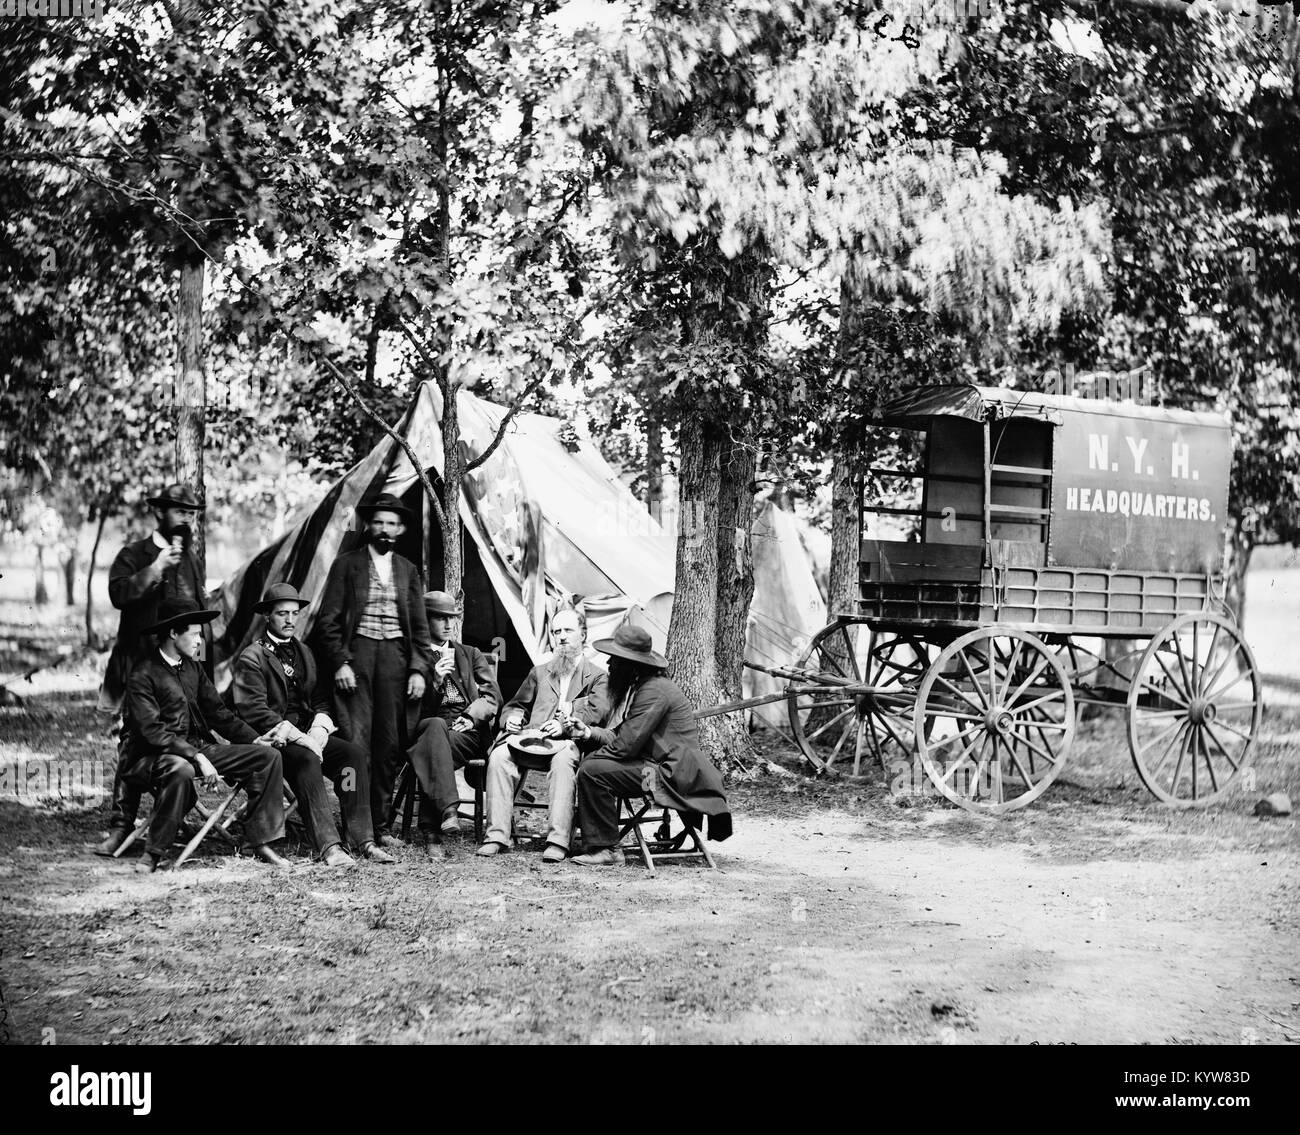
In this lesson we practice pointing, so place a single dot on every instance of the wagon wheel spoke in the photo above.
(1164, 733)
(1209, 729)
(1209, 661)
(944, 681)
(852, 650)
(1209, 764)
(1029, 681)
(822, 728)
(1011, 670)
(1184, 691)
(1055, 695)
(974, 680)
(942, 741)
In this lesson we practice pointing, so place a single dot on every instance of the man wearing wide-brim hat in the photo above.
(650, 748)
(144, 574)
(174, 719)
(371, 639)
(275, 690)
(455, 717)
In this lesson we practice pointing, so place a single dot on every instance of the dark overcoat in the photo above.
(478, 681)
(137, 597)
(659, 728)
(259, 690)
(161, 719)
(347, 588)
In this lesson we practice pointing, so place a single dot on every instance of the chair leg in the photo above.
(135, 834)
(399, 794)
(208, 825)
(698, 840)
(408, 808)
(480, 825)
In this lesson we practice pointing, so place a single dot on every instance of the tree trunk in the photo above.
(842, 585)
(735, 587)
(1241, 546)
(453, 472)
(69, 567)
(191, 393)
(654, 465)
(692, 631)
(91, 641)
(42, 595)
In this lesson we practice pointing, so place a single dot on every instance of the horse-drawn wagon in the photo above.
(1038, 553)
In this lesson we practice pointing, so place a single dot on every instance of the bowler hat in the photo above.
(634, 644)
(179, 613)
(280, 593)
(384, 502)
(176, 496)
(442, 603)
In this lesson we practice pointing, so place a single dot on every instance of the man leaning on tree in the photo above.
(143, 574)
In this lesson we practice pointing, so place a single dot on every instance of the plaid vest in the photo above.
(379, 619)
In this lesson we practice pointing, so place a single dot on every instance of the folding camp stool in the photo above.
(408, 790)
(216, 822)
(641, 812)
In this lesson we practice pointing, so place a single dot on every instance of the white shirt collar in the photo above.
(174, 665)
(380, 557)
(275, 638)
(160, 540)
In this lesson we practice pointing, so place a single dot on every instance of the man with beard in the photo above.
(276, 692)
(564, 693)
(144, 574)
(650, 748)
(456, 717)
(178, 730)
(372, 638)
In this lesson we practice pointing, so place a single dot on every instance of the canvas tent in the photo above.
(544, 517)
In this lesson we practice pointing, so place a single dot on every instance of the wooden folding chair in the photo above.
(641, 812)
(407, 791)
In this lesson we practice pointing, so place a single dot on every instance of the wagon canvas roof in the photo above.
(912, 409)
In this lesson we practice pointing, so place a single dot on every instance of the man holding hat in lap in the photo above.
(372, 638)
(650, 748)
(456, 716)
(143, 574)
(173, 718)
(556, 698)
(276, 692)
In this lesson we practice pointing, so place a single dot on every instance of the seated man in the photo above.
(457, 712)
(567, 688)
(651, 748)
(172, 711)
(276, 692)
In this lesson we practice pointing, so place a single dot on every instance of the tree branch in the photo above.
(505, 423)
(354, 394)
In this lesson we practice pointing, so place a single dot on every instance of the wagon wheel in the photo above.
(831, 723)
(1194, 710)
(896, 663)
(994, 719)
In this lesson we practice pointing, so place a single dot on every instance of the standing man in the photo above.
(372, 638)
(276, 692)
(456, 717)
(651, 748)
(565, 693)
(146, 572)
(173, 718)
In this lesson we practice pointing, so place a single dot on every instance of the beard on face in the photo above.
(382, 542)
(622, 675)
(566, 655)
(184, 531)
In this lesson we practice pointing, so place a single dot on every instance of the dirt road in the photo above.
(838, 915)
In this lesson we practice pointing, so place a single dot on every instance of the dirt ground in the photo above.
(840, 913)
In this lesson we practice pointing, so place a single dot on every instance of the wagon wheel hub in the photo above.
(998, 721)
(1201, 711)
